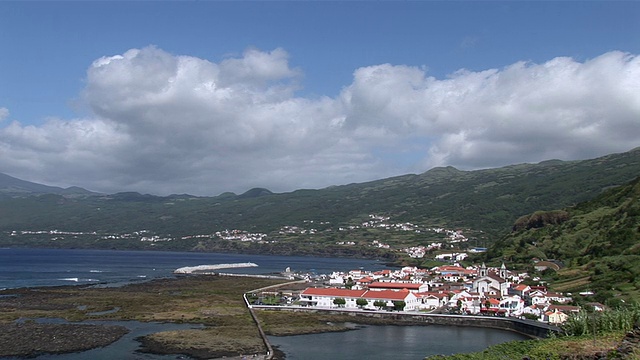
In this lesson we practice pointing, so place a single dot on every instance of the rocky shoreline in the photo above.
(213, 303)
(30, 339)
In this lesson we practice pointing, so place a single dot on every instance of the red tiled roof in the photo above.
(386, 295)
(564, 308)
(428, 293)
(333, 292)
(394, 285)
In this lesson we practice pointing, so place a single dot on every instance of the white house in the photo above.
(431, 300)
(537, 310)
(390, 296)
(324, 297)
(514, 305)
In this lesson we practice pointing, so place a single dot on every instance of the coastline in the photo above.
(214, 302)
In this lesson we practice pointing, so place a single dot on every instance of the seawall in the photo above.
(527, 327)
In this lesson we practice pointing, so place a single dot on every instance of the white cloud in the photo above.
(524, 112)
(4, 113)
(165, 124)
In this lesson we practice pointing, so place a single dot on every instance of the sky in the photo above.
(206, 97)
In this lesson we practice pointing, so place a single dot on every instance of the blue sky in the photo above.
(315, 93)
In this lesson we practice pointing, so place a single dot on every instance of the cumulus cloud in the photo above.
(524, 112)
(164, 123)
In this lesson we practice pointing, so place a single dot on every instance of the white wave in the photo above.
(142, 276)
(78, 280)
(95, 271)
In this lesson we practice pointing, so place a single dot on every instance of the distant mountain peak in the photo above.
(15, 187)
(442, 172)
(255, 192)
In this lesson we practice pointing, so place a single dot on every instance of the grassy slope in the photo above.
(548, 349)
(599, 242)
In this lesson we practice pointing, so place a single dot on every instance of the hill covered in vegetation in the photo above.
(597, 243)
(485, 201)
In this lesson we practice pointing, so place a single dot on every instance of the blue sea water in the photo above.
(50, 267)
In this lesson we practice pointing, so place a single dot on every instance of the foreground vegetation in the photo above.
(612, 334)
(565, 348)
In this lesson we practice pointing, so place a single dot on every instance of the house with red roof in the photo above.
(537, 310)
(363, 283)
(555, 316)
(384, 285)
(323, 297)
(431, 300)
(382, 273)
(493, 308)
(391, 296)
(521, 290)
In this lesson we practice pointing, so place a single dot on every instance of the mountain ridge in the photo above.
(487, 200)
(12, 186)
(15, 186)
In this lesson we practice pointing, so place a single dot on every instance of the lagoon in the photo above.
(383, 342)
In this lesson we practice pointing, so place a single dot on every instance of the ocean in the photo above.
(50, 267)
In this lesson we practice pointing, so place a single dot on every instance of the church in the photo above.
(490, 283)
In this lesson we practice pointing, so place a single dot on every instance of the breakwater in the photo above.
(203, 269)
(530, 328)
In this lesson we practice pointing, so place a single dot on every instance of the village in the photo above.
(449, 289)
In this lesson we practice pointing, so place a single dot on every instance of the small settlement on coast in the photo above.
(474, 290)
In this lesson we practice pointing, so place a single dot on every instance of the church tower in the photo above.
(503, 271)
(482, 272)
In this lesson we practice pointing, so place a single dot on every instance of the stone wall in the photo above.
(526, 327)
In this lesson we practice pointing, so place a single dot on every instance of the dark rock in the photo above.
(30, 339)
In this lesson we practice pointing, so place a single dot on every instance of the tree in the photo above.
(339, 301)
(379, 304)
(349, 283)
(399, 305)
(362, 302)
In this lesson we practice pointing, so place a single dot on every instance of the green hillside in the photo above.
(597, 241)
(485, 201)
